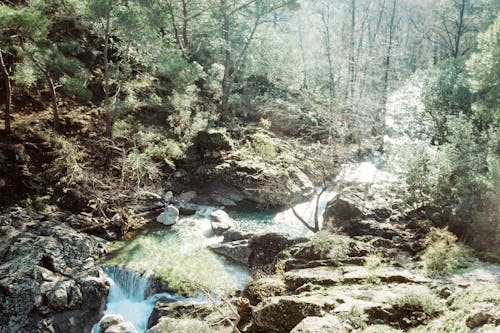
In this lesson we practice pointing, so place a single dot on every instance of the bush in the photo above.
(443, 254)
(69, 161)
(416, 305)
(264, 146)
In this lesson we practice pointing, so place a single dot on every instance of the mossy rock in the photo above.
(213, 139)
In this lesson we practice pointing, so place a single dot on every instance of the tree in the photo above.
(17, 26)
(236, 41)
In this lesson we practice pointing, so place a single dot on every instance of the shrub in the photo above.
(374, 261)
(414, 306)
(68, 164)
(264, 146)
(443, 254)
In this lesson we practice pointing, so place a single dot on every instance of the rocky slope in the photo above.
(48, 279)
(361, 276)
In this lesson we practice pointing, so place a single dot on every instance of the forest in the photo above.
(249, 166)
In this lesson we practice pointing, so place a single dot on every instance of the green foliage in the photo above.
(25, 75)
(374, 261)
(417, 299)
(69, 164)
(446, 92)
(152, 151)
(484, 69)
(443, 254)
(329, 246)
(460, 305)
(264, 146)
(29, 23)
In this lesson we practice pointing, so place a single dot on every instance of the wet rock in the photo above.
(187, 196)
(238, 251)
(283, 313)
(236, 235)
(110, 320)
(328, 323)
(169, 217)
(121, 328)
(167, 308)
(221, 222)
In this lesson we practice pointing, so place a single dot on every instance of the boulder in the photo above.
(169, 217)
(263, 287)
(343, 208)
(212, 140)
(318, 275)
(328, 323)
(110, 320)
(221, 222)
(281, 314)
(121, 328)
(48, 281)
(187, 196)
(178, 325)
(236, 235)
(326, 249)
(264, 248)
(167, 308)
(238, 251)
(484, 313)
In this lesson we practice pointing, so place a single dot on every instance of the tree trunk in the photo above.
(8, 94)
(53, 94)
(387, 64)
(226, 80)
(325, 18)
(351, 77)
(302, 56)
(109, 119)
(460, 29)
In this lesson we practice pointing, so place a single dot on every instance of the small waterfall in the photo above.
(133, 285)
(127, 297)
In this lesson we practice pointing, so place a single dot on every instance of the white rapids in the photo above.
(128, 298)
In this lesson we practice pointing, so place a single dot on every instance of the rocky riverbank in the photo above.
(360, 275)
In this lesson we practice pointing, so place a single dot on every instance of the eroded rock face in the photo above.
(48, 281)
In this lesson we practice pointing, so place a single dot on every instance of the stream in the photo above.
(180, 254)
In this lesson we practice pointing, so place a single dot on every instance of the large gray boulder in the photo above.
(282, 313)
(238, 251)
(169, 216)
(221, 222)
(48, 281)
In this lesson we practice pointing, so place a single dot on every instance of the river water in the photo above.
(181, 256)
